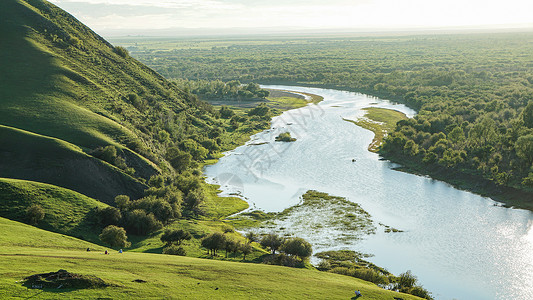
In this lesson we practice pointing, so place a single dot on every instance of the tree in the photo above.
(246, 249)
(272, 241)
(297, 247)
(115, 237)
(524, 148)
(108, 216)
(175, 236)
(139, 222)
(406, 280)
(179, 160)
(251, 236)
(214, 242)
(121, 51)
(229, 246)
(193, 200)
(226, 112)
(122, 201)
(527, 115)
(174, 250)
(35, 214)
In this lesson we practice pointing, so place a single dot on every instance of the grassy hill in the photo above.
(60, 80)
(66, 211)
(30, 156)
(33, 250)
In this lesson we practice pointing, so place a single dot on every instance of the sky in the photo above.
(139, 16)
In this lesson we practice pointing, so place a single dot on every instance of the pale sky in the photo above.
(138, 15)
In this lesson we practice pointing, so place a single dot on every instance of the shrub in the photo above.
(121, 51)
(285, 137)
(214, 242)
(175, 236)
(174, 250)
(179, 160)
(272, 241)
(108, 216)
(226, 112)
(139, 222)
(35, 214)
(193, 200)
(115, 237)
(297, 247)
(123, 202)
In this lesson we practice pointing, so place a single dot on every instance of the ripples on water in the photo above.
(460, 245)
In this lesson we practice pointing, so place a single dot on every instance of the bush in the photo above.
(174, 250)
(285, 137)
(214, 242)
(121, 51)
(175, 236)
(297, 247)
(115, 237)
(122, 201)
(179, 160)
(272, 241)
(35, 214)
(139, 222)
(193, 200)
(226, 112)
(108, 216)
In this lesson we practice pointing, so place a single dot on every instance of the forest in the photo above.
(473, 92)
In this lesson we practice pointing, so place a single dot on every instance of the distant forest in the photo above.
(216, 89)
(473, 92)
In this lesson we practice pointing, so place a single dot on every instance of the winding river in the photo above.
(460, 245)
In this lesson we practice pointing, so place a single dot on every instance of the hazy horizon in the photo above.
(234, 17)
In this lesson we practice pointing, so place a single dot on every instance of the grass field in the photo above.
(33, 251)
(380, 121)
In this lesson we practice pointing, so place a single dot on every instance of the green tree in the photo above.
(297, 247)
(524, 148)
(179, 160)
(527, 115)
(272, 241)
(175, 236)
(214, 242)
(251, 236)
(194, 200)
(35, 214)
(123, 202)
(115, 237)
(121, 51)
(246, 249)
(174, 250)
(108, 216)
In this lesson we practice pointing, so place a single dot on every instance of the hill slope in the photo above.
(61, 80)
(34, 251)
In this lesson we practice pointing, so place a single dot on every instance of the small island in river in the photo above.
(285, 137)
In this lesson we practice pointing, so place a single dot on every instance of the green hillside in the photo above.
(33, 251)
(66, 211)
(61, 80)
(34, 157)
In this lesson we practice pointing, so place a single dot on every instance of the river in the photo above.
(459, 245)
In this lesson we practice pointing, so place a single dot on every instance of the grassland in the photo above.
(381, 121)
(33, 251)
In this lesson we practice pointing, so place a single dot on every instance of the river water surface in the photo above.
(460, 245)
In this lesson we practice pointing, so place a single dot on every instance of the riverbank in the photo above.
(474, 183)
(381, 121)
